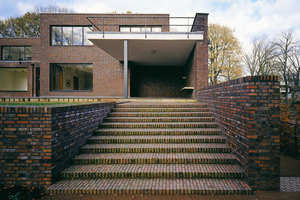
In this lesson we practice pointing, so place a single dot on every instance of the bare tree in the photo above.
(294, 71)
(261, 60)
(50, 9)
(285, 46)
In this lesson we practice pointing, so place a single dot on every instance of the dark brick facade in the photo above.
(38, 142)
(107, 71)
(30, 65)
(247, 110)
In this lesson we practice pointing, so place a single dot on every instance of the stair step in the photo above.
(153, 171)
(160, 110)
(160, 105)
(156, 139)
(157, 148)
(159, 119)
(151, 186)
(160, 114)
(160, 125)
(165, 131)
(156, 158)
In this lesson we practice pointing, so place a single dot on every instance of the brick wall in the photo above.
(247, 111)
(107, 71)
(197, 64)
(35, 51)
(157, 81)
(38, 142)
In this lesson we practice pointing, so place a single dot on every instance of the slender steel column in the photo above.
(125, 69)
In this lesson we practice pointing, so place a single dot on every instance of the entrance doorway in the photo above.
(156, 81)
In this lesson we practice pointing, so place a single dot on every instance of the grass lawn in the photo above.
(40, 103)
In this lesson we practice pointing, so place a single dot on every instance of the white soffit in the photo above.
(163, 49)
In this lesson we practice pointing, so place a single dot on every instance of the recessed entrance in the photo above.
(156, 81)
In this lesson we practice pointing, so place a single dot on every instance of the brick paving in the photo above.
(290, 184)
(157, 139)
(155, 158)
(139, 131)
(160, 148)
(151, 186)
(160, 125)
(160, 114)
(160, 110)
(157, 148)
(159, 119)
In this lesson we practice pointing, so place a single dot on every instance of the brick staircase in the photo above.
(155, 148)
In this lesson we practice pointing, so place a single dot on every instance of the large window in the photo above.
(16, 53)
(140, 29)
(70, 35)
(13, 79)
(70, 77)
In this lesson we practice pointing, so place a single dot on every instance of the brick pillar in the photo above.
(200, 61)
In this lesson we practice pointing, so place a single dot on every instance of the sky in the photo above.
(248, 18)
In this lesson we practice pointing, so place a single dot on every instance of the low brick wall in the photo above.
(247, 111)
(37, 142)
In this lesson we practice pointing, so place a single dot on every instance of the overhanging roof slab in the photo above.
(155, 49)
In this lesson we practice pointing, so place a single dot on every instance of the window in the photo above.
(140, 29)
(70, 35)
(71, 77)
(13, 79)
(16, 53)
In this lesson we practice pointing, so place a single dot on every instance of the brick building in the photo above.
(88, 55)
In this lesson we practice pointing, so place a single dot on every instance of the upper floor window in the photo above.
(140, 29)
(16, 53)
(70, 35)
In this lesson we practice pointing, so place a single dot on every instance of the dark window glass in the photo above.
(56, 35)
(16, 53)
(77, 35)
(86, 41)
(13, 79)
(68, 35)
(69, 77)
(140, 29)
(5, 53)
(27, 54)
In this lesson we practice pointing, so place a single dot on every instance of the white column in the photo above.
(125, 69)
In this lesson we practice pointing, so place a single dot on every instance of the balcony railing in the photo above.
(145, 24)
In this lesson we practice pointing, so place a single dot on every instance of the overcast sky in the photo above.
(249, 18)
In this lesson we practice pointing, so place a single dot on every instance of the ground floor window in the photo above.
(70, 77)
(13, 79)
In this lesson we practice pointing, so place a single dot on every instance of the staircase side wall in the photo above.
(38, 142)
(247, 111)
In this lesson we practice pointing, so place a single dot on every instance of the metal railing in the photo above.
(167, 24)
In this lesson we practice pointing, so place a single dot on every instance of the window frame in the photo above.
(61, 35)
(51, 81)
(17, 46)
(141, 27)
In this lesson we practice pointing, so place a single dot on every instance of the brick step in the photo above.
(160, 114)
(153, 171)
(151, 186)
(160, 110)
(136, 139)
(165, 131)
(156, 158)
(159, 119)
(161, 105)
(160, 125)
(157, 148)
